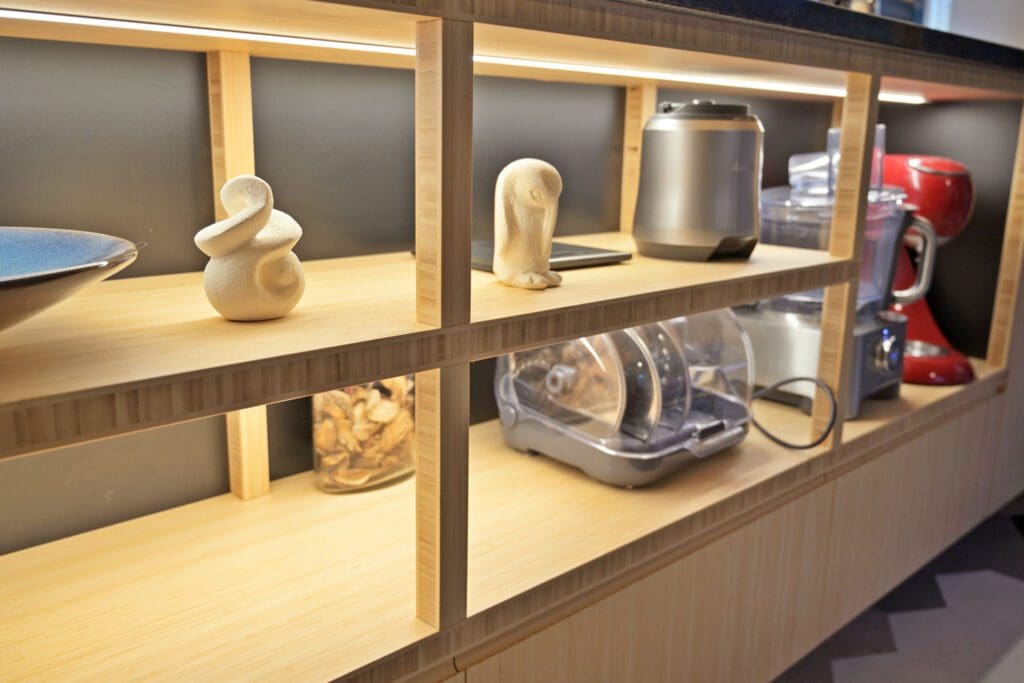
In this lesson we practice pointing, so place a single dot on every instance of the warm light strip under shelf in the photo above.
(662, 76)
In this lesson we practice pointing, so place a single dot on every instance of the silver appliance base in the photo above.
(786, 345)
(729, 247)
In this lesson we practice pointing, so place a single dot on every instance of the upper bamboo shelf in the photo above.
(135, 353)
(227, 588)
(588, 41)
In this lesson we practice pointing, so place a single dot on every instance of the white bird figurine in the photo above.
(525, 211)
(252, 273)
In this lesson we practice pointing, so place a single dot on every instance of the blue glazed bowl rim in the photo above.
(122, 251)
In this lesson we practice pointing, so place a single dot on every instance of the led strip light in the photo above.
(269, 38)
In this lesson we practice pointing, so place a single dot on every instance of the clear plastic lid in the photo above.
(650, 384)
(579, 382)
(718, 355)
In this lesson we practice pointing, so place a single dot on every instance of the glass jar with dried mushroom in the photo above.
(363, 436)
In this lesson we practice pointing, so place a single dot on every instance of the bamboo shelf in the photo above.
(512, 40)
(270, 584)
(484, 545)
(135, 353)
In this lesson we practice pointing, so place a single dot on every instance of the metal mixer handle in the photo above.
(925, 269)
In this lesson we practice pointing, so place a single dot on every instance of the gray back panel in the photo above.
(67, 491)
(109, 139)
(336, 144)
(576, 128)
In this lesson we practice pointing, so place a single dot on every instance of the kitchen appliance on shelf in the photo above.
(786, 331)
(632, 406)
(942, 190)
(700, 182)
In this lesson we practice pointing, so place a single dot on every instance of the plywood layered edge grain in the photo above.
(649, 38)
(134, 354)
(656, 24)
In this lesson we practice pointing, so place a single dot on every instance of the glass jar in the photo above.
(364, 436)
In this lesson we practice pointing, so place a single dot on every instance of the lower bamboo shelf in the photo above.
(307, 586)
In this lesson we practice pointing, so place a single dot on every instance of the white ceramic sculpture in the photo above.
(525, 210)
(252, 273)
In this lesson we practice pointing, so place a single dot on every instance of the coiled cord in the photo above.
(761, 393)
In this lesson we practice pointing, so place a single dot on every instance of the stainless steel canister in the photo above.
(700, 182)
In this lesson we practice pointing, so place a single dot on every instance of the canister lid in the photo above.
(704, 109)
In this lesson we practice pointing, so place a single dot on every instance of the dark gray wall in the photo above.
(108, 139)
(336, 144)
(981, 135)
(51, 495)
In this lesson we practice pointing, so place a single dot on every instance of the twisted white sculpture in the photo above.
(525, 211)
(252, 273)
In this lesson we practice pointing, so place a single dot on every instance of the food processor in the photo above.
(786, 331)
(631, 406)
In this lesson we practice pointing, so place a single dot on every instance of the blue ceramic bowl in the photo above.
(41, 266)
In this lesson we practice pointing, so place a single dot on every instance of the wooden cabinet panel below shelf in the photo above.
(896, 512)
(739, 609)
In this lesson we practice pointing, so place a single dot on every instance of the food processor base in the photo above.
(786, 345)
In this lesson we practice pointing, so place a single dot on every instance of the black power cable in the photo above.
(831, 419)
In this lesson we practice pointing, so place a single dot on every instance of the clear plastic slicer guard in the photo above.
(631, 406)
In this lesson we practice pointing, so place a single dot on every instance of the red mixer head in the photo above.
(941, 188)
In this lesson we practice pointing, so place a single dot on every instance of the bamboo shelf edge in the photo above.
(499, 36)
(658, 24)
(73, 599)
(135, 354)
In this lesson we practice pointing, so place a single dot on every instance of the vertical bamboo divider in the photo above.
(641, 101)
(1010, 264)
(229, 86)
(837, 114)
(838, 316)
(444, 184)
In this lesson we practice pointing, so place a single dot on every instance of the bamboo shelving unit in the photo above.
(421, 578)
(342, 568)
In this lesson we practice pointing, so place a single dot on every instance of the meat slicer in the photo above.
(632, 406)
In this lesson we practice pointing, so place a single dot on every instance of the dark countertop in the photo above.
(827, 19)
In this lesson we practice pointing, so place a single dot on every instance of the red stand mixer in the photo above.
(942, 190)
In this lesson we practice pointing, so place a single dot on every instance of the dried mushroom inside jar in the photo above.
(363, 435)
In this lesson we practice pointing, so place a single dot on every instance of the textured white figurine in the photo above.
(525, 210)
(252, 273)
